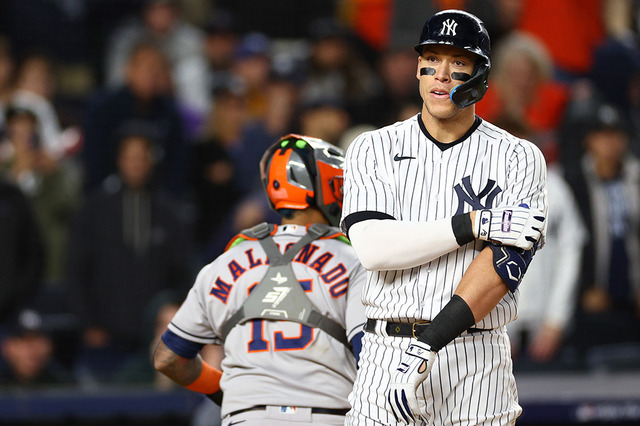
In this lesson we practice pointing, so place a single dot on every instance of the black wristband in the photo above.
(462, 228)
(454, 319)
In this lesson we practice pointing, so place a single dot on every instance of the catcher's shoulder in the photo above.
(264, 229)
(252, 234)
(336, 234)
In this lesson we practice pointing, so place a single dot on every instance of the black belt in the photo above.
(406, 329)
(314, 410)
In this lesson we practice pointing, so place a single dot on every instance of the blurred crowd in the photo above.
(131, 133)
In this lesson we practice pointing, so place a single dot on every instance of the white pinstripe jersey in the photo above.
(277, 362)
(400, 171)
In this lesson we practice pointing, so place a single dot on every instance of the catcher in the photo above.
(283, 300)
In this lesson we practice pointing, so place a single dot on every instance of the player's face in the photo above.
(442, 63)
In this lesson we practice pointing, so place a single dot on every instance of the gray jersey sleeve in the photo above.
(354, 316)
(192, 321)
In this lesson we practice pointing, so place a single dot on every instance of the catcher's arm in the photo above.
(192, 373)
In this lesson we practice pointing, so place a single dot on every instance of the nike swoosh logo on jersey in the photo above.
(399, 158)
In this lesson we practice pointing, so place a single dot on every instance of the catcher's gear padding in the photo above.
(279, 288)
(464, 30)
(300, 171)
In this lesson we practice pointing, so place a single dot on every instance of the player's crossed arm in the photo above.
(479, 291)
(519, 227)
(387, 244)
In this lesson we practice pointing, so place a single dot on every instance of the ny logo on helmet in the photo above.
(449, 27)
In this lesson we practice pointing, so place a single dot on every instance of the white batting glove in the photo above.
(414, 368)
(513, 226)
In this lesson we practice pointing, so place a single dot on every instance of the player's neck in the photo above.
(305, 217)
(447, 130)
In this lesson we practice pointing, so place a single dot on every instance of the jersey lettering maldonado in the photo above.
(336, 278)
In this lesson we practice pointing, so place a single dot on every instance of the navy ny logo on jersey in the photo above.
(466, 194)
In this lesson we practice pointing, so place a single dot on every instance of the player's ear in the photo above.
(418, 68)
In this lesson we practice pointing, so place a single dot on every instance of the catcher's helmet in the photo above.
(463, 30)
(300, 171)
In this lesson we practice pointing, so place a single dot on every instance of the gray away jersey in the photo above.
(277, 362)
(399, 171)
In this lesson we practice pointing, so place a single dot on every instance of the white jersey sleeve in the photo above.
(368, 186)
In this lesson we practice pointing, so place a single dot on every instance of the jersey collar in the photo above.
(444, 146)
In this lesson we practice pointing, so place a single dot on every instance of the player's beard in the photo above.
(445, 111)
(439, 108)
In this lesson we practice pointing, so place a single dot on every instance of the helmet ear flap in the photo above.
(473, 89)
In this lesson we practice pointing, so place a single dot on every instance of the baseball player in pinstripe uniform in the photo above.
(290, 323)
(445, 211)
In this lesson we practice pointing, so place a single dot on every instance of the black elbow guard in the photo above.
(511, 263)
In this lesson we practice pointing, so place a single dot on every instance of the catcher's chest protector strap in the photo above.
(279, 296)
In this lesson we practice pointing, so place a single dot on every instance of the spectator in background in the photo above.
(27, 350)
(21, 252)
(396, 68)
(52, 186)
(283, 93)
(549, 289)
(227, 181)
(325, 119)
(336, 70)
(214, 171)
(144, 100)
(129, 243)
(616, 77)
(252, 65)
(220, 45)
(521, 87)
(607, 190)
(35, 88)
(182, 43)
(6, 75)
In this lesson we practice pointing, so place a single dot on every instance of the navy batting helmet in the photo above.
(464, 30)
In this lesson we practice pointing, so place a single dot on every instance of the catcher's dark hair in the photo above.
(145, 44)
(287, 213)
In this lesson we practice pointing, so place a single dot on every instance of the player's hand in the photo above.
(513, 226)
(414, 368)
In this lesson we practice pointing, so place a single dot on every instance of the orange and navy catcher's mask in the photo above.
(299, 172)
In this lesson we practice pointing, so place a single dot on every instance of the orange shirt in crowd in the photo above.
(570, 29)
(544, 113)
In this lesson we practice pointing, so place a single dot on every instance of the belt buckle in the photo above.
(413, 327)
